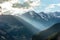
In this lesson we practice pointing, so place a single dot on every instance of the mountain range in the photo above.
(23, 27)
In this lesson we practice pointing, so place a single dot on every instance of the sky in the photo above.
(22, 6)
(49, 6)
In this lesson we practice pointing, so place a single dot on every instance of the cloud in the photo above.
(14, 1)
(6, 6)
(27, 4)
(52, 6)
(1, 1)
(16, 7)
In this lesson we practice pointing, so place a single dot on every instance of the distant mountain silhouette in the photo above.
(42, 15)
(44, 34)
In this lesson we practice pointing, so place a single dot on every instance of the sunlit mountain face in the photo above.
(41, 18)
(41, 23)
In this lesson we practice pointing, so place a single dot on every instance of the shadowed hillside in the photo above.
(10, 28)
(44, 34)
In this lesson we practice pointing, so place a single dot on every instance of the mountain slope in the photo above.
(45, 34)
(13, 28)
